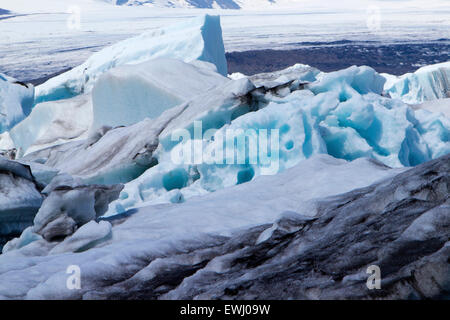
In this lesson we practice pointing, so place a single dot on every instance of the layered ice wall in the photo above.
(427, 83)
(196, 39)
(16, 101)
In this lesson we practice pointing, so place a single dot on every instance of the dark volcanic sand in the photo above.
(395, 59)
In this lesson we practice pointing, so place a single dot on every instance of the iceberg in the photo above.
(341, 113)
(122, 96)
(52, 123)
(16, 101)
(112, 156)
(196, 39)
(269, 80)
(427, 83)
(130, 152)
(128, 94)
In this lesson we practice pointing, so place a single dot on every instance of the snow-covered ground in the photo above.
(44, 37)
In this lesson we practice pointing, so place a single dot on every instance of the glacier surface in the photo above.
(340, 113)
(196, 39)
(329, 133)
(214, 215)
(122, 96)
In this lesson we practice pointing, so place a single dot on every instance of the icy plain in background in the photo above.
(38, 42)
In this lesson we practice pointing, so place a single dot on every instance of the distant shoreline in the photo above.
(41, 80)
(396, 59)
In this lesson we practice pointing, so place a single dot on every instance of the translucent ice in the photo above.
(196, 39)
(128, 94)
(427, 83)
